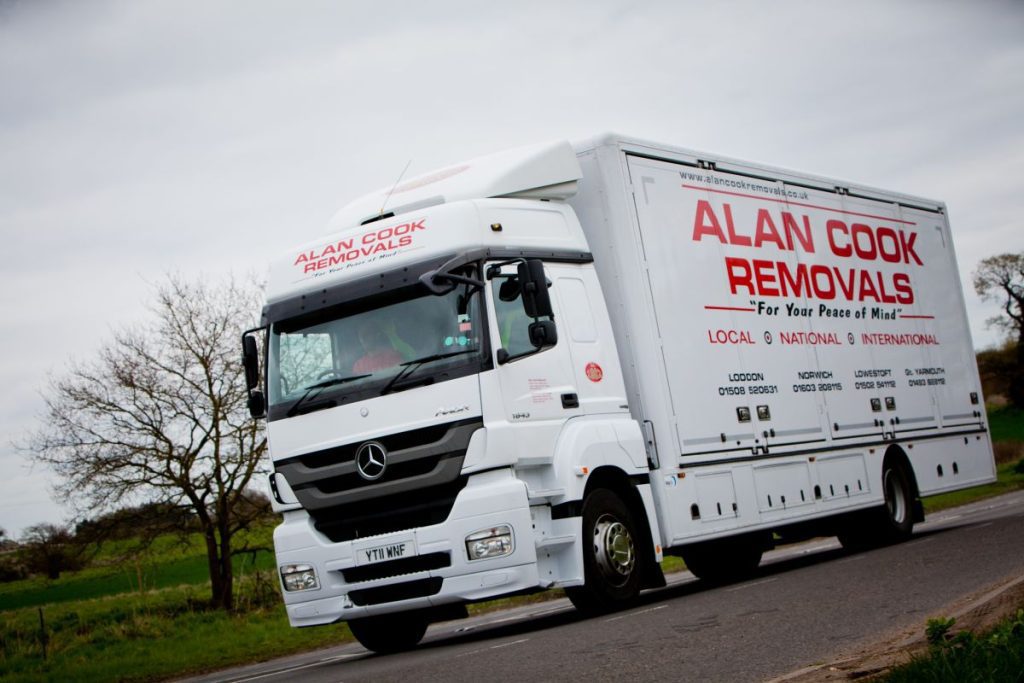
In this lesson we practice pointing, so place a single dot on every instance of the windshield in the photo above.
(354, 351)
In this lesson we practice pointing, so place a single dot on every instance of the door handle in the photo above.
(570, 401)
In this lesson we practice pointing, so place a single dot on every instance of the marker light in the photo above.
(488, 543)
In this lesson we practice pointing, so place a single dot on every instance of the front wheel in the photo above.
(389, 633)
(611, 561)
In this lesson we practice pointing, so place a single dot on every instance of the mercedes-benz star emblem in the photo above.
(371, 460)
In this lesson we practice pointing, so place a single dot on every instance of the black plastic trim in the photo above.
(407, 276)
(418, 459)
(420, 588)
(574, 508)
(815, 451)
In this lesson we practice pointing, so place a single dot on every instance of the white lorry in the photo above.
(554, 365)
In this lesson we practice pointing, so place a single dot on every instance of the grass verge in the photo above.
(995, 656)
(158, 635)
(1008, 479)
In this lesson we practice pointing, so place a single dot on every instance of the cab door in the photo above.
(537, 386)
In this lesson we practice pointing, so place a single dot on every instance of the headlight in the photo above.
(487, 543)
(299, 577)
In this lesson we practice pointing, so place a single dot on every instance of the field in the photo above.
(146, 618)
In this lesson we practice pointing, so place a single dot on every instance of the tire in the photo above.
(893, 522)
(389, 633)
(898, 522)
(724, 561)
(612, 561)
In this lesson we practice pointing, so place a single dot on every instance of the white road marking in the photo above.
(290, 669)
(492, 647)
(514, 617)
(751, 585)
(636, 614)
(514, 642)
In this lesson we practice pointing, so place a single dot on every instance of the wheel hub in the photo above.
(614, 549)
(894, 497)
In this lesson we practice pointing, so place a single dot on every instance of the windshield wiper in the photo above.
(410, 366)
(318, 387)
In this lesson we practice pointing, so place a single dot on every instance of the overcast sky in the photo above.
(139, 138)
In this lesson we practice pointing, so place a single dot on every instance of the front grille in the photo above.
(406, 565)
(395, 592)
(418, 487)
(393, 442)
(404, 470)
(388, 514)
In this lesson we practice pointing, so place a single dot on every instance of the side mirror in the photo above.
(543, 333)
(534, 287)
(251, 361)
(509, 290)
(257, 404)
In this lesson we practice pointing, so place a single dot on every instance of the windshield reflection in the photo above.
(350, 353)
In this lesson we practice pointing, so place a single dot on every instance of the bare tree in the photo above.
(159, 416)
(1001, 279)
(50, 549)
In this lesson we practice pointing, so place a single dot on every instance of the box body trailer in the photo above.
(554, 365)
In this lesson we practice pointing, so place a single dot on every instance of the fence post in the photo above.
(43, 638)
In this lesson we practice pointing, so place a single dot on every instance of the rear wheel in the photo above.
(891, 523)
(730, 559)
(390, 632)
(611, 557)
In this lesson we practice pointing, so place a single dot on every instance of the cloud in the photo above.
(141, 138)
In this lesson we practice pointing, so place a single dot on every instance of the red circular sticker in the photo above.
(594, 372)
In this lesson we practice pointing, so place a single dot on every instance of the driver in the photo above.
(378, 353)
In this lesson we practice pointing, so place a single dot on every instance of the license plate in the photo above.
(383, 553)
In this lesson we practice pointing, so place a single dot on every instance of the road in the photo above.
(807, 603)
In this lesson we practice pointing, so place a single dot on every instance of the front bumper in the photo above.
(489, 499)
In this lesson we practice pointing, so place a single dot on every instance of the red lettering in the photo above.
(741, 240)
(908, 248)
(817, 272)
(833, 227)
(886, 297)
(846, 285)
(869, 253)
(766, 231)
(797, 287)
(789, 223)
(884, 234)
(706, 223)
(904, 292)
(738, 271)
(867, 287)
(764, 274)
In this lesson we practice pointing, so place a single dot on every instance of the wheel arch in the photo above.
(622, 485)
(895, 456)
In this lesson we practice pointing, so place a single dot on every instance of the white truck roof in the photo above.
(543, 171)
